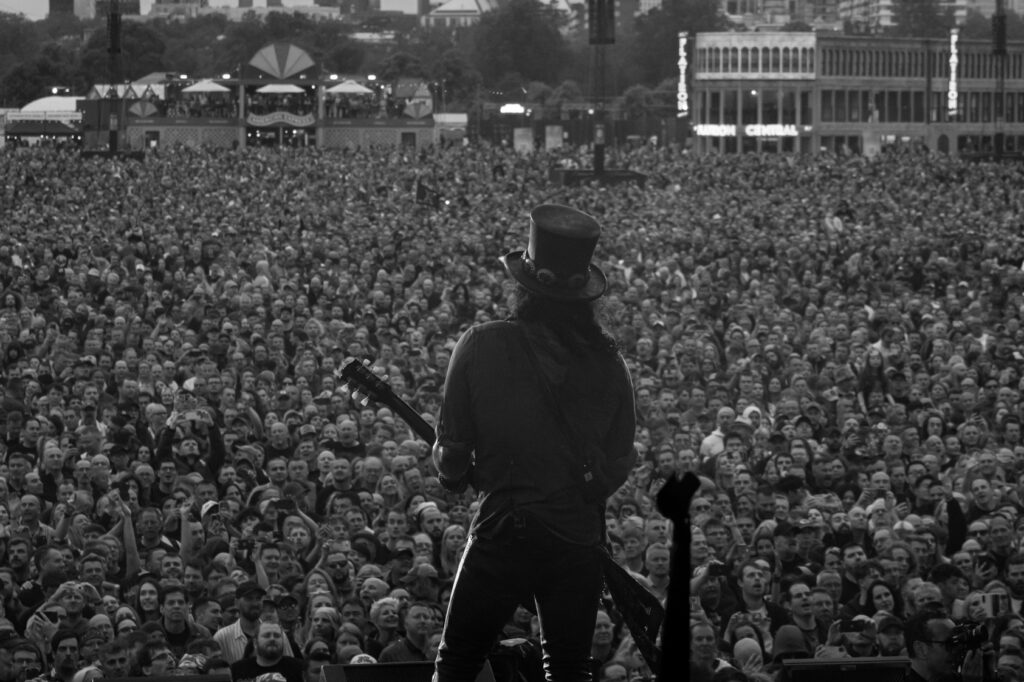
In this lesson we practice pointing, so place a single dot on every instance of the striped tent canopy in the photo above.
(282, 60)
(143, 108)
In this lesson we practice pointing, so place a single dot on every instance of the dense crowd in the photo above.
(833, 344)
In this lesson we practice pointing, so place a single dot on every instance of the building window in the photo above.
(734, 60)
(853, 106)
(810, 59)
(892, 109)
(789, 107)
(826, 107)
(806, 112)
(730, 107)
(749, 100)
(986, 107)
(918, 103)
(905, 112)
(769, 105)
(776, 60)
(840, 106)
(714, 107)
(745, 60)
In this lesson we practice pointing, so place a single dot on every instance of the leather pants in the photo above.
(521, 562)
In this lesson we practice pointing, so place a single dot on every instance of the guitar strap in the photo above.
(585, 461)
(640, 610)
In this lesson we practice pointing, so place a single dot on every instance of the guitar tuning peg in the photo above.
(345, 387)
(357, 396)
(364, 400)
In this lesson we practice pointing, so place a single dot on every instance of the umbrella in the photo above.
(282, 60)
(143, 108)
(349, 88)
(280, 89)
(206, 86)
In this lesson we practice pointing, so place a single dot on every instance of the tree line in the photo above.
(522, 51)
(522, 46)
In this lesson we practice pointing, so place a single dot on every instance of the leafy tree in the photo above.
(142, 53)
(31, 79)
(656, 50)
(636, 101)
(459, 79)
(347, 56)
(401, 64)
(523, 37)
(19, 39)
(921, 19)
(979, 27)
(566, 92)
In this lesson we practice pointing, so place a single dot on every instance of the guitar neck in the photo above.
(412, 418)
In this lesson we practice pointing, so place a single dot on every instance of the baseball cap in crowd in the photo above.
(404, 551)
(286, 600)
(890, 622)
(209, 507)
(249, 588)
(306, 430)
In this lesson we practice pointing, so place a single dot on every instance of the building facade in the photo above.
(803, 93)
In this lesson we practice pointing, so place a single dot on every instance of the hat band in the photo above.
(551, 279)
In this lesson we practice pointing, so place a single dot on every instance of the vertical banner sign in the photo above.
(953, 94)
(683, 96)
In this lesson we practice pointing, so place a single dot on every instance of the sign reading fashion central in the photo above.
(752, 130)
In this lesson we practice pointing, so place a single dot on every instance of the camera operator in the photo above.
(940, 650)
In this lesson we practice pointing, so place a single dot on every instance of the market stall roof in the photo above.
(38, 128)
(349, 87)
(280, 89)
(52, 103)
(207, 85)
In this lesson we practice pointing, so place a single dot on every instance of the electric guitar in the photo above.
(640, 609)
(366, 386)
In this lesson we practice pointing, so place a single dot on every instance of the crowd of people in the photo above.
(833, 344)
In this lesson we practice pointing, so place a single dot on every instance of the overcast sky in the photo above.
(37, 9)
(33, 9)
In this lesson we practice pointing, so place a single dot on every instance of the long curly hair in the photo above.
(574, 323)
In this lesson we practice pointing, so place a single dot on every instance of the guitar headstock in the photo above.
(365, 385)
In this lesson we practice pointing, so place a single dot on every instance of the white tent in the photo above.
(52, 103)
(349, 87)
(280, 89)
(206, 86)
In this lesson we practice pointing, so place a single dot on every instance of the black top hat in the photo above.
(556, 263)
